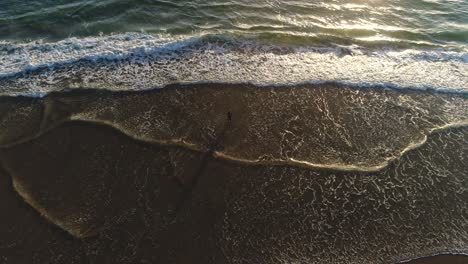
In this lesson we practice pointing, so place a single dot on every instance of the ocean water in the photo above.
(131, 45)
(430, 23)
(240, 132)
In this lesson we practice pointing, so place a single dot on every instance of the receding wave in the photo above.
(307, 126)
(135, 61)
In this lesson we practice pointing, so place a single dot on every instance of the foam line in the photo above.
(135, 61)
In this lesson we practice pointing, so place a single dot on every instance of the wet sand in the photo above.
(321, 174)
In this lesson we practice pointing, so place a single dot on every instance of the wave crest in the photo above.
(135, 61)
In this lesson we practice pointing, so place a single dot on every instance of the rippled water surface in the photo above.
(436, 23)
(132, 45)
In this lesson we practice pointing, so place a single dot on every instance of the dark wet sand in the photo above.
(102, 189)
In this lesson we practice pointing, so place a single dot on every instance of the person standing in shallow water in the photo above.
(229, 117)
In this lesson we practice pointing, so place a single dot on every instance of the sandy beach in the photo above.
(224, 173)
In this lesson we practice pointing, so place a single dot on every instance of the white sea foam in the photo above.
(135, 61)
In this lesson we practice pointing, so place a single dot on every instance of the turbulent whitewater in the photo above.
(48, 47)
(136, 61)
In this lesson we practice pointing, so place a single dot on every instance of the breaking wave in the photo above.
(137, 61)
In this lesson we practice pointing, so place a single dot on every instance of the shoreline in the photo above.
(79, 160)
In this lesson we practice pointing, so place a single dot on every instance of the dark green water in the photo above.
(136, 44)
(418, 22)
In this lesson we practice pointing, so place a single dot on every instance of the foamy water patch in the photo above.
(135, 61)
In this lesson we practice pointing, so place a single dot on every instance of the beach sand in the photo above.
(223, 173)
